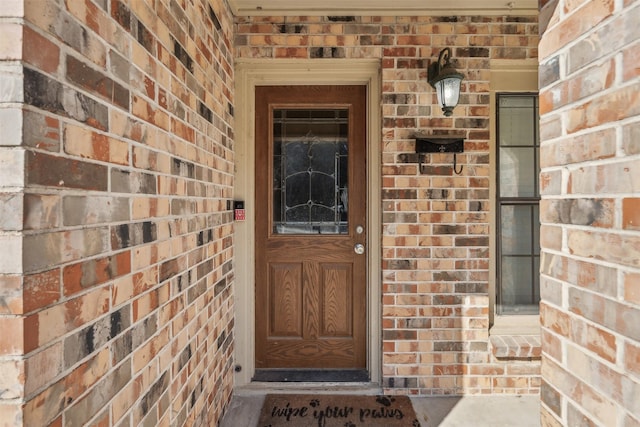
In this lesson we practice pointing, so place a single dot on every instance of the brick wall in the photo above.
(116, 169)
(435, 254)
(590, 214)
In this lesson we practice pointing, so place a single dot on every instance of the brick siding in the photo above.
(590, 127)
(435, 243)
(116, 172)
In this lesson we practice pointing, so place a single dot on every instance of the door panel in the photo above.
(287, 296)
(311, 212)
(337, 300)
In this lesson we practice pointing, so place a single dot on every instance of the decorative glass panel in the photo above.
(310, 164)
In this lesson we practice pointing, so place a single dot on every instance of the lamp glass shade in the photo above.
(448, 91)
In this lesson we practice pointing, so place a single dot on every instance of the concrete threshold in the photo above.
(308, 387)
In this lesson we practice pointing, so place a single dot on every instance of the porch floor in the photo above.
(458, 411)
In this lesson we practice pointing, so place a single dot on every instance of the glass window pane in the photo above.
(310, 164)
(516, 230)
(517, 120)
(517, 294)
(518, 172)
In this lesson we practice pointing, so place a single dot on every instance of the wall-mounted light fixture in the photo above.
(446, 81)
(440, 144)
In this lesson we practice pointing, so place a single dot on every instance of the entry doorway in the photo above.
(249, 76)
(311, 222)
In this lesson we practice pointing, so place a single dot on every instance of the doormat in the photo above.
(336, 410)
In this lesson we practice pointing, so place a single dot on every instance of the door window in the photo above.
(310, 164)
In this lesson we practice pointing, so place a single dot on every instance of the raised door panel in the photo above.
(285, 300)
(336, 300)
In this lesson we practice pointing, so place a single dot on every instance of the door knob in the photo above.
(359, 248)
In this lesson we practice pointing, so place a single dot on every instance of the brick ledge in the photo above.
(516, 346)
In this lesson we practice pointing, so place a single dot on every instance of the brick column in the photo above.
(590, 213)
(116, 176)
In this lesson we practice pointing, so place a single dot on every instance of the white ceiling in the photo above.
(383, 7)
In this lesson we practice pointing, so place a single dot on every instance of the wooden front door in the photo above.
(311, 287)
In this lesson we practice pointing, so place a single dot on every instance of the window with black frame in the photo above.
(518, 200)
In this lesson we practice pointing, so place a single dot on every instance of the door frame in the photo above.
(250, 73)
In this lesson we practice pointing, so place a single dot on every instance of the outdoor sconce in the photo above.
(440, 144)
(446, 81)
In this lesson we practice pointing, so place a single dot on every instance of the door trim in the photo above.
(249, 74)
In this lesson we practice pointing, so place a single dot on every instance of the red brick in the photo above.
(595, 339)
(144, 305)
(42, 132)
(554, 97)
(86, 144)
(290, 52)
(551, 345)
(592, 146)
(144, 110)
(146, 353)
(11, 299)
(631, 213)
(12, 337)
(618, 177)
(95, 81)
(630, 61)
(592, 80)
(41, 289)
(40, 51)
(551, 237)
(87, 274)
(584, 274)
(182, 130)
(415, 40)
(619, 249)
(54, 171)
(608, 313)
(86, 375)
(606, 108)
(632, 287)
(551, 183)
(55, 321)
(555, 320)
(632, 358)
